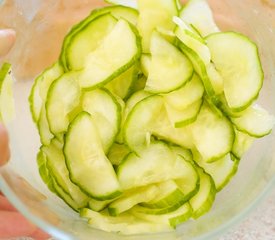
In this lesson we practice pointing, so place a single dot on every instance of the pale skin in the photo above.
(13, 224)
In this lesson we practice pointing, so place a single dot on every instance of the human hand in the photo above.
(13, 224)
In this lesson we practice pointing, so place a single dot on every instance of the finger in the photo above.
(13, 224)
(4, 148)
(40, 235)
(7, 39)
(5, 204)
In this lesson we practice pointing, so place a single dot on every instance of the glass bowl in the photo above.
(41, 26)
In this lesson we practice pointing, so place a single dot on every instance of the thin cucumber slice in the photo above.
(215, 78)
(255, 121)
(181, 118)
(174, 218)
(43, 127)
(59, 172)
(213, 135)
(127, 3)
(63, 96)
(241, 144)
(237, 59)
(40, 88)
(125, 223)
(204, 199)
(185, 96)
(7, 108)
(199, 15)
(121, 85)
(185, 153)
(117, 153)
(167, 62)
(97, 205)
(168, 195)
(106, 114)
(221, 170)
(86, 160)
(108, 60)
(152, 14)
(139, 84)
(87, 40)
(154, 164)
(132, 198)
(145, 61)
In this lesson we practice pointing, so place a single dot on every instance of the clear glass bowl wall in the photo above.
(41, 26)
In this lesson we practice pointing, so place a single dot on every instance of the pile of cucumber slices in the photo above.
(146, 114)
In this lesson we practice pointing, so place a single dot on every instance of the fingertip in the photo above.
(4, 145)
(7, 40)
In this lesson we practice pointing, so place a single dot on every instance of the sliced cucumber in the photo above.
(127, 3)
(63, 96)
(40, 88)
(181, 118)
(86, 160)
(237, 59)
(203, 200)
(117, 153)
(199, 15)
(174, 218)
(169, 68)
(97, 205)
(145, 61)
(106, 114)
(60, 174)
(43, 128)
(221, 170)
(241, 144)
(132, 198)
(108, 60)
(255, 121)
(155, 163)
(152, 14)
(185, 153)
(7, 108)
(185, 96)
(213, 135)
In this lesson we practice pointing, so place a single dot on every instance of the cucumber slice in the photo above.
(117, 153)
(156, 163)
(204, 199)
(139, 84)
(127, 3)
(97, 205)
(86, 160)
(181, 118)
(125, 223)
(108, 60)
(199, 15)
(43, 128)
(152, 14)
(145, 61)
(121, 85)
(185, 153)
(255, 121)
(63, 96)
(173, 219)
(59, 172)
(241, 144)
(185, 96)
(167, 62)
(237, 59)
(221, 170)
(213, 135)
(40, 89)
(132, 198)
(7, 108)
(168, 195)
(106, 114)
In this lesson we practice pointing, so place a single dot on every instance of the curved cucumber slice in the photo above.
(174, 218)
(255, 121)
(221, 170)
(203, 200)
(132, 198)
(167, 62)
(185, 153)
(199, 15)
(145, 61)
(86, 160)
(7, 110)
(63, 96)
(213, 135)
(186, 95)
(237, 59)
(154, 164)
(43, 127)
(117, 153)
(107, 61)
(97, 205)
(106, 114)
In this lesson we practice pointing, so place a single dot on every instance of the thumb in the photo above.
(4, 147)
(7, 39)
